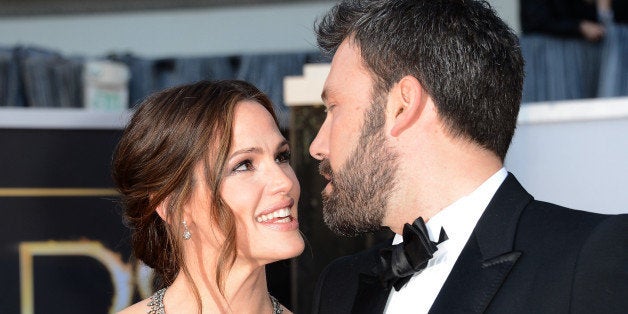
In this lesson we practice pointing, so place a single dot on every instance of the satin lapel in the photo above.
(470, 289)
(371, 296)
(488, 256)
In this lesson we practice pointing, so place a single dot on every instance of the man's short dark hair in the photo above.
(465, 56)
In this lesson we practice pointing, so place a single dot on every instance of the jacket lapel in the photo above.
(371, 296)
(488, 256)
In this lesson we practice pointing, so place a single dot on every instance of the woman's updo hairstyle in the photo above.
(170, 133)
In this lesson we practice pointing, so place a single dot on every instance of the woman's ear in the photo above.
(162, 210)
(409, 102)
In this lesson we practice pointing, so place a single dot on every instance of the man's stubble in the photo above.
(361, 189)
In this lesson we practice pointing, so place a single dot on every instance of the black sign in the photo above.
(63, 246)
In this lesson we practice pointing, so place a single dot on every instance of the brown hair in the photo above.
(464, 55)
(169, 134)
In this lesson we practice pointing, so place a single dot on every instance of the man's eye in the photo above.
(329, 108)
(283, 157)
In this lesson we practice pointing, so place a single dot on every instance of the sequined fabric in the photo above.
(156, 302)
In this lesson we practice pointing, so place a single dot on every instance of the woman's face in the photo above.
(261, 189)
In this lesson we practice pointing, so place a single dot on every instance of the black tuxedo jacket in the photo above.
(524, 256)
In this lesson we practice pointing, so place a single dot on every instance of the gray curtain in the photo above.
(567, 68)
(267, 73)
(559, 68)
(36, 77)
(614, 68)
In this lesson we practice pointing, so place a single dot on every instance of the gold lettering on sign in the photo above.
(119, 271)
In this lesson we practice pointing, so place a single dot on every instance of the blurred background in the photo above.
(71, 72)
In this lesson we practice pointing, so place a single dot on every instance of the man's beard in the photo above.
(361, 189)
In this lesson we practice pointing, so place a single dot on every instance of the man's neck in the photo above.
(427, 192)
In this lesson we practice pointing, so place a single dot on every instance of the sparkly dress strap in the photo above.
(277, 309)
(156, 303)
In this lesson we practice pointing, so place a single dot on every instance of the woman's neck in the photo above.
(245, 291)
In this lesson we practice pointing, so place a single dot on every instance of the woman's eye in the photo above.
(283, 157)
(245, 165)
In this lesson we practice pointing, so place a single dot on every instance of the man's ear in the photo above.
(408, 104)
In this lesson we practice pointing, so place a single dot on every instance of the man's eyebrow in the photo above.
(324, 95)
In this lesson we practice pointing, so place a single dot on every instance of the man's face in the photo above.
(351, 145)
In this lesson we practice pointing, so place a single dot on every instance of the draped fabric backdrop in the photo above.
(570, 68)
(37, 77)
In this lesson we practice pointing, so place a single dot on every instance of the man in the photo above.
(422, 100)
(562, 18)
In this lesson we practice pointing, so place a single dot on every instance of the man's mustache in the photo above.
(324, 168)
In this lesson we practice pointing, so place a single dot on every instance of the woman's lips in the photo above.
(280, 218)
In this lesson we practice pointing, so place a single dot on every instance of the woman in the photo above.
(210, 197)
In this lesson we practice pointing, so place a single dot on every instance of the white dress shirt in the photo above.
(458, 220)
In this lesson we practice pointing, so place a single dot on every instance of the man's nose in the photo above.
(319, 148)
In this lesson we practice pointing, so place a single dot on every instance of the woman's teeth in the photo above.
(283, 214)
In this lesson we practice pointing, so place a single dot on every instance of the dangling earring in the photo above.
(186, 232)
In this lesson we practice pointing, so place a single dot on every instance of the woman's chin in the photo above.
(291, 251)
(287, 251)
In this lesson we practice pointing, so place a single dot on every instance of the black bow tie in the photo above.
(399, 262)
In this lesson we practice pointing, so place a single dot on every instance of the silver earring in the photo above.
(186, 232)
